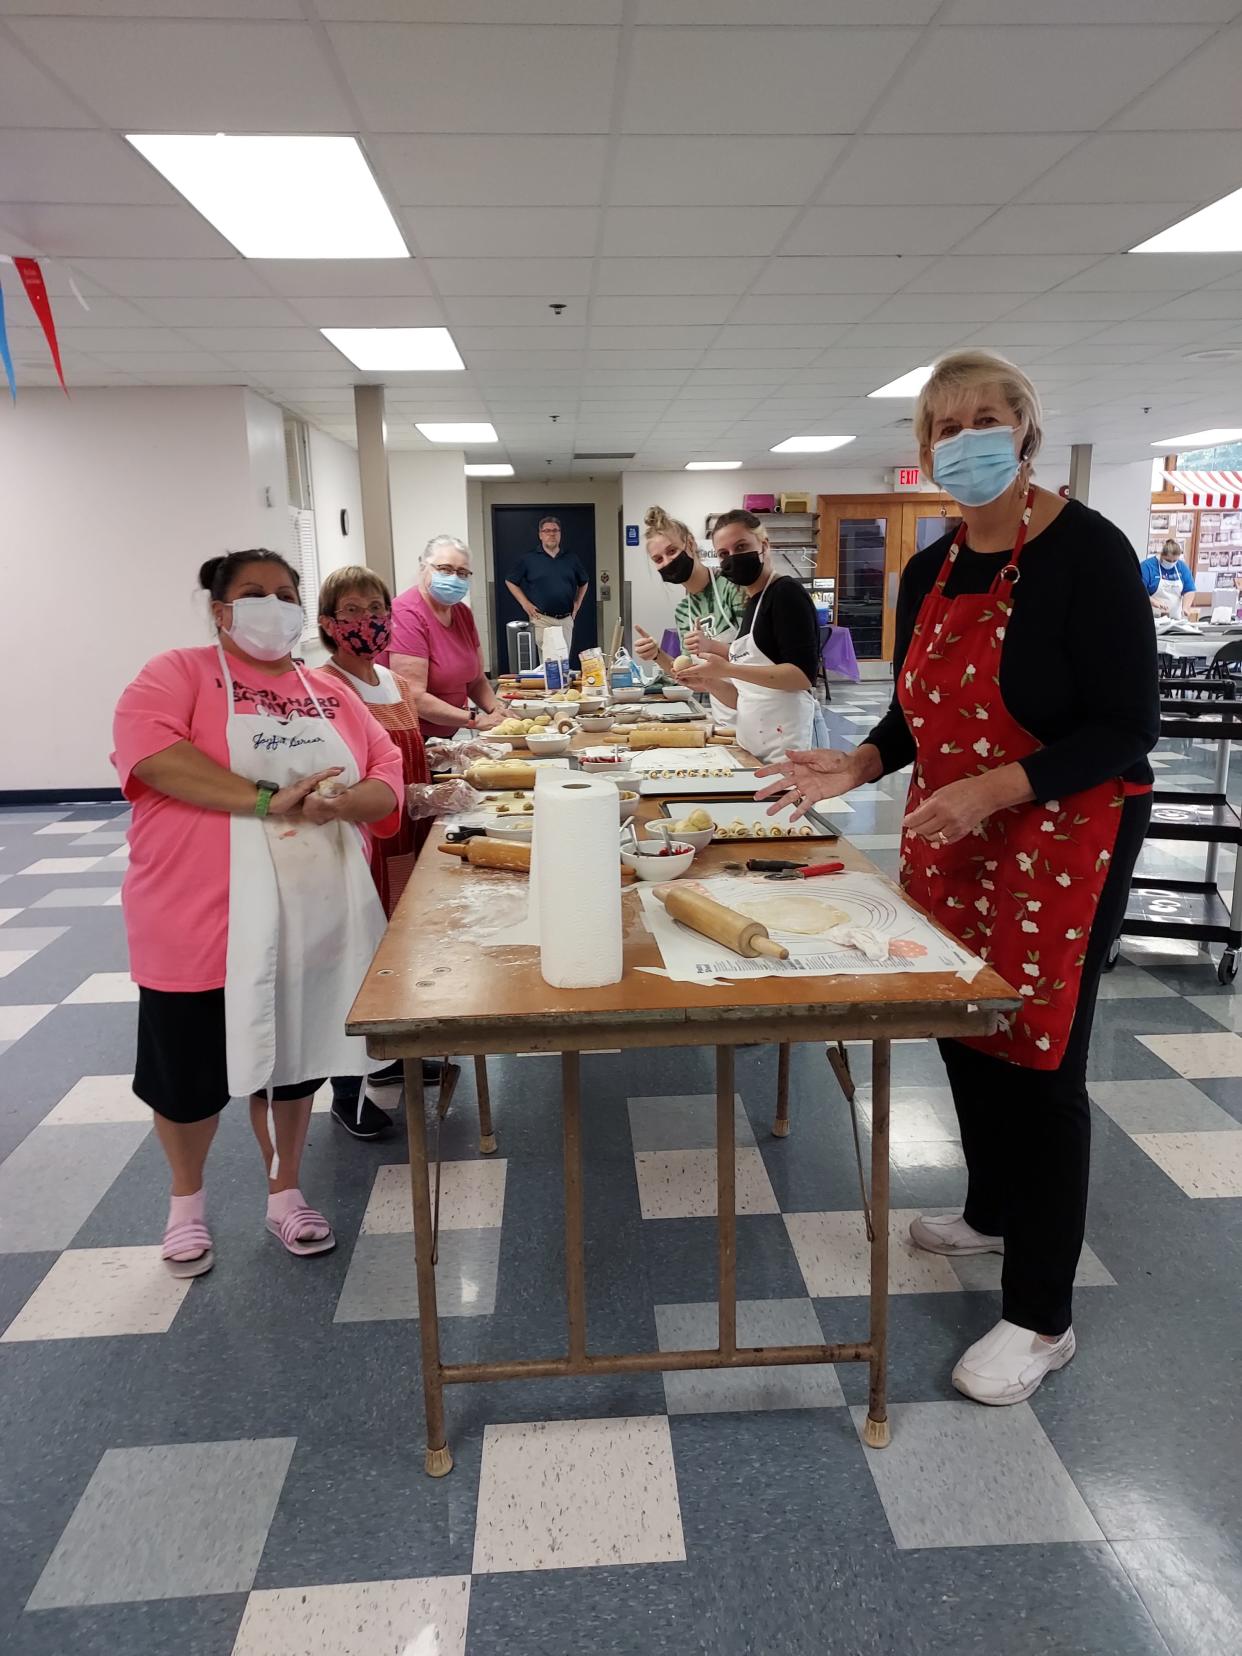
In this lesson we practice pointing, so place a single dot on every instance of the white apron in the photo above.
(304, 915)
(1171, 592)
(769, 722)
(720, 627)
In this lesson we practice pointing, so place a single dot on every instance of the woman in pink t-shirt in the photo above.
(435, 644)
(249, 904)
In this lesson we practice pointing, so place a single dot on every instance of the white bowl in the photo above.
(529, 709)
(618, 767)
(648, 863)
(627, 799)
(591, 704)
(633, 694)
(700, 838)
(550, 744)
(678, 692)
(596, 721)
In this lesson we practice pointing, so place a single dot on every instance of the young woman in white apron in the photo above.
(251, 911)
(769, 689)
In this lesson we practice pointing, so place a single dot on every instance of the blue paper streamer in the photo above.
(5, 354)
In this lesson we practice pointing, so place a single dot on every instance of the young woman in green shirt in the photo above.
(707, 605)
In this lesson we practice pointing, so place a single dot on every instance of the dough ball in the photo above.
(543, 719)
(682, 662)
(699, 819)
(528, 807)
(502, 810)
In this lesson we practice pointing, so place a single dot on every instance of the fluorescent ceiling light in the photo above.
(1200, 439)
(906, 385)
(713, 465)
(810, 445)
(498, 470)
(399, 350)
(1213, 229)
(280, 197)
(459, 431)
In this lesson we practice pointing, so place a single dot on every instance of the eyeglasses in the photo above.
(355, 612)
(450, 569)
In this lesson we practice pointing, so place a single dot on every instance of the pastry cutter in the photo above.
(807, 871)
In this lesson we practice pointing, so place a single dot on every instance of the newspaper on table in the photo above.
(812, 919)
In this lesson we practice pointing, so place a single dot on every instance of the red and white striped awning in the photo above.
(1218, 490)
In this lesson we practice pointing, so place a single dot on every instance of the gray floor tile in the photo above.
(982, 1272)
(382, 1283)
(956, 1475)
(168, 1521)
(1192, 1590)
(687, 1122)
(53, 1180)
(759, 1323)
(1160, 1107)
(76, 897)
(29, 937)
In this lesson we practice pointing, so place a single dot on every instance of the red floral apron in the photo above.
(1021, 890)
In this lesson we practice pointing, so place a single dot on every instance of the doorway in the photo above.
(515, 532)
(865, 541)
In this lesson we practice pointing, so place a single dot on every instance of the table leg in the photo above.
(439, 1459)
(575, 1260)
(487, 1137)
(726, 1202)
(876, 1431)
(780, 1127)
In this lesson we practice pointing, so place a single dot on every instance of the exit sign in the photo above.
(907, 477)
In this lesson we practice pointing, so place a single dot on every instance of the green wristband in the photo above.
(263, 800)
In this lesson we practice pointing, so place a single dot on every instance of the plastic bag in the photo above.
(434, 799)
(443, 755)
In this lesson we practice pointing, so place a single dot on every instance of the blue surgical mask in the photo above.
(449, 589)
(976, 467)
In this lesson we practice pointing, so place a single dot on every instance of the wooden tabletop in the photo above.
(433, 988)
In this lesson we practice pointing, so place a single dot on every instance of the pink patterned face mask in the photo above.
(369, 635)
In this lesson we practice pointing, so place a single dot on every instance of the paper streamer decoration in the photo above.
(576, 880)
(36, 292)
(5, 354)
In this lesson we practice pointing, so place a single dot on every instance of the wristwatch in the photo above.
(474, 717)
(263, 798)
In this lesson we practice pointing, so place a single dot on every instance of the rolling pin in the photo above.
(506, 854)
(663, 736)
(723, 925)
(493, 775)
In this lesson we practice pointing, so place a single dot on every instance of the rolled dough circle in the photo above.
(802, 916)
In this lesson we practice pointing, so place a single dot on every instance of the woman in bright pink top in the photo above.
(435, 644)
(249, 905)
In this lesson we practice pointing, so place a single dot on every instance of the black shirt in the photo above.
(788, 628)
(1078, 668)
(551, 584)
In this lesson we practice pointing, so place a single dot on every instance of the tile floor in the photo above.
(233, 1467)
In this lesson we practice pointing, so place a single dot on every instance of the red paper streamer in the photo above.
(36, 292)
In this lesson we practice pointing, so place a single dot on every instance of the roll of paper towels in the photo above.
(576, 880)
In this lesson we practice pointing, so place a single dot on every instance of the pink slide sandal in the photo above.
(302, 1230)
(187, 1249)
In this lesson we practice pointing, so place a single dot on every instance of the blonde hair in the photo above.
(968, 370)
(658, 522)
(349, 578)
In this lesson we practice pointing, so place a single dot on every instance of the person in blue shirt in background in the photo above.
(1167, 578)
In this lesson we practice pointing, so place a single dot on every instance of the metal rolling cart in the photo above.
(1194, 910)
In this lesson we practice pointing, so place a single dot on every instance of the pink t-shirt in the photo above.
(451, 653)
(176, 893)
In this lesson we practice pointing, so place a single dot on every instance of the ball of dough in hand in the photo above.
(682, 662)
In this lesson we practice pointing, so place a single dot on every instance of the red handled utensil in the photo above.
(808, 871)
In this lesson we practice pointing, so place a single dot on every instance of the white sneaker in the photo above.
(948, 1233)
(1008, 1363)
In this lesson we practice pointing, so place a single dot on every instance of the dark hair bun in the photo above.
(208, 573)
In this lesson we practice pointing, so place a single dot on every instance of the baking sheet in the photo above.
(741, 783)
(646, 760)
(865, 899)
(754, 813)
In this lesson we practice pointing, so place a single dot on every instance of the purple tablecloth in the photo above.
(838, 654)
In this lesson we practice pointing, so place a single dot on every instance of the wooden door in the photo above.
(865, 541)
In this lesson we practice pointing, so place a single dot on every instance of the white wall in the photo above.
(269, 474)
(335, 488)
(117, 496)
(1123, 494)
(428, 497)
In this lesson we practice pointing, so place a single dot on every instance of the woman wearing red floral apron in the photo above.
(1028, 803)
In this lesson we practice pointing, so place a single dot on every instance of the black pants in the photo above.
(1026, 1134)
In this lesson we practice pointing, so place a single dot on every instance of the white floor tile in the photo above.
(982, 1272)
(695, 1327)
(1204, 1056)
(1160, 1107)
(959, 1476)
(472, 1197)
(835, 1259)
(91, 1292)
(78, 897)
(16, 1021)
(71, 827)
(1226, 1009)
(916, 1114)
(1126, 982)
(575, 1494)
(62, 865)
(99, 1098)
(1202, 1164)
(424, 1617)
(101, 988)
(11, 959)
(681, 1184)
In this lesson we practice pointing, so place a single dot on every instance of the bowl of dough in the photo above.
(627, 802)
(696, 829)
(547, 742)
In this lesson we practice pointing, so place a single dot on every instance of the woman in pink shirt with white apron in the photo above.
(249, 904)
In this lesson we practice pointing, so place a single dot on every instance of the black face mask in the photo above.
(742, 568)
(678, 569)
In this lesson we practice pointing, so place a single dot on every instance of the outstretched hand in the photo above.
(802, 778)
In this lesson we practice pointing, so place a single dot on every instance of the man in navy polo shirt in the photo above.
(550, 585)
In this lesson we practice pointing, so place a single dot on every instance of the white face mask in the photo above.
(266, 628)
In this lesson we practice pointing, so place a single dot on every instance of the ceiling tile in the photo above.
(103, 313)
(656, 274)
(1068, 229)
(543, 278)
(688, 337)
(804, 307)
(888, 170)
(363, 278)
(723, 170)
(379, 311)
(652, 310)
(57, 166)
(534, 232)
(1092, 11)
(479, 170)
(1172, 272)
(643, 359)
(1032, 273)
(710, 230)
(781, 12)
(470, 11)
(928, 337)
(870, 230)
(224, 312)
(238, 9)
(1028, 79)
(450, 78)
(1201, 92)
(761, 336)
(763, 360)
(1068, 306)
(29, 99)
(786, 80)
(550, 339)
(137, 340)
(1215, 304)
(1192, 168)
(513, 310)
(187, 76)
(173, 278)
(259, 339)
(183, 361)
(970, 308)
(841, 274)
(138, 232)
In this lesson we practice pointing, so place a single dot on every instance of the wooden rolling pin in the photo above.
(723, 925)
(657, 736)
(482, 852)
(494, 775)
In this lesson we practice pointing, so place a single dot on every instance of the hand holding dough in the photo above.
(682, 662)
